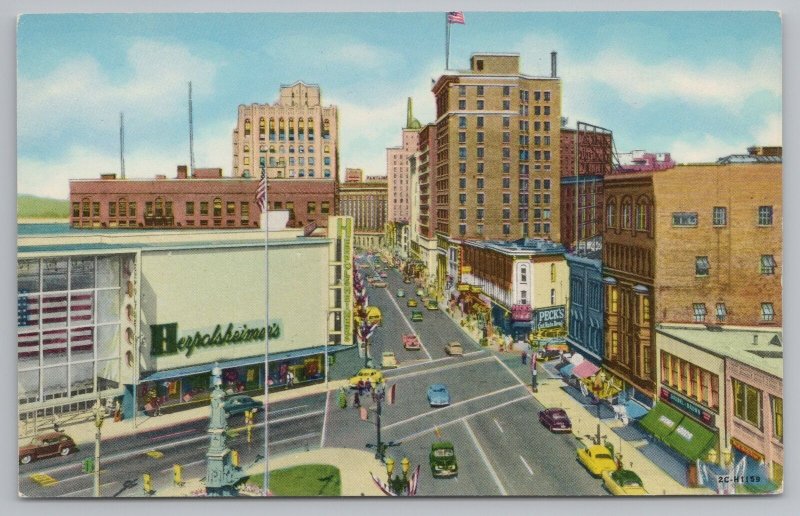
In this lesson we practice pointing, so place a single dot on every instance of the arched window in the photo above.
(272, 129)
(281, 149)
(122, 207)
(159, 207)
(311, 129)
(327, 149)
(247, 127)
(627, 213)
(272, 149)
(310, 149)
(217, 207)
(85, 207)
(291, 149)
(281, 130)
(301, 126)
(262, 128)
(300, 149)
(643, 214)
(291, 129)
(326, 128)
(611, 214)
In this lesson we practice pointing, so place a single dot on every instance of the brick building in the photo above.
(205, 200)
(711, 254)
(367, 203)
(498, 134)
(397, 169)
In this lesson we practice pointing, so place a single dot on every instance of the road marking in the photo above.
(325, 418)
(526, 464)
(452, 365)
(165, 436)
(295, 438)
(420, 362)
(496, 422)
(43, 479)
(486, 460)
(440, 410)
(460, 419)
(155, 454)
(287, 409)
(403, 316)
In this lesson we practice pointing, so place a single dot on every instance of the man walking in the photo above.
(534, 383)
(524, 356)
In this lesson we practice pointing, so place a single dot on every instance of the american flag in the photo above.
(392, 396)
(53, 309)
(261, 193)
(413, 482)
(455, 17)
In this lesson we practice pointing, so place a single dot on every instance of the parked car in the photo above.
(384, 274)
(388, 360)
(431, 304)
(416, 315)
(411, 342)
(548, 354)
(438, 395)
(239, 404)
(47, 445)
(420, 292)
(555, 419)
(623, 482)
(596, 458)
(373, 375)
(412, 303)
(443, 459)
(401, 292)
(454, 349)
(379, 284)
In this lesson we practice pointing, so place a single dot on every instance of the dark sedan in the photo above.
(239, 404)
(46, 445)
(555, 419)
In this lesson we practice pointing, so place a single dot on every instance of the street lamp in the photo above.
(380, 446)
(99, 416)
(398, 484)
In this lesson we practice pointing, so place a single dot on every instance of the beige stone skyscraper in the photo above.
(295, 138)
(397, 169)
(497, 159)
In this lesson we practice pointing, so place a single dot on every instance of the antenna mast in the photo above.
(191, 134)
(121, 145)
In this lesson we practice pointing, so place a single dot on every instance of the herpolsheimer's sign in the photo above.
(165, 339)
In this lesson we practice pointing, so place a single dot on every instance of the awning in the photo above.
(566, 371)
(690, 439)
(662, 420)
(634, 409)
(239, 362)
(585, 369)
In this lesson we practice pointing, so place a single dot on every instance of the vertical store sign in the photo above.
(344, 234)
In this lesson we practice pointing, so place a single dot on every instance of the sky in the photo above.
(697, 84)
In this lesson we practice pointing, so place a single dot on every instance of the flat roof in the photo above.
(520, 246)
(735, 343)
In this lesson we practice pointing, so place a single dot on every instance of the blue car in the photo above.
(438, 395)
(238, 404)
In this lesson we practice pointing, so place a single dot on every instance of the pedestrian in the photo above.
(368, 385)
(360, 387)
(524, 356)
(534, 383)
(356, 400)
(56, 424)
(289, 379)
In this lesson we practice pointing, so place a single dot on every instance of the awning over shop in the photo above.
(690, 439)
(634, 409)
(661, 420)
(566, 371)
(239, 362)
(585, 369)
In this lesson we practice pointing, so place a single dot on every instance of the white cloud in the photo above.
(338, 50)
(770, 132)
(79, 94)
(705, 149)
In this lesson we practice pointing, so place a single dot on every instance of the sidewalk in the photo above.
(584, 422)
(83, 431)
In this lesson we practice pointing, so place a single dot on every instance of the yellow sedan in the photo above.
(412, 303)
(597, 458)
(373, 375)
(623, 482)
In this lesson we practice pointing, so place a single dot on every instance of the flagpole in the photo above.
(266, 336)
(447, 43)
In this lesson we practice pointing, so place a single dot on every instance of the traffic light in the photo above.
(248, 417)
(88, 465)
(147, 484)
(235, 458)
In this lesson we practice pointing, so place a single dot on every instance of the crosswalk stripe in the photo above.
(155, 454)
(43, 479)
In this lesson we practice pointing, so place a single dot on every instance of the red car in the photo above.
(47, 445)
(555, 419)
(410, 342)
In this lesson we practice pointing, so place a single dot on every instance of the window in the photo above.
(719, 216)
(722, 312)
(462, 104)
(552, 272)
(523, 296)
(479, 64)
(479, 168)
(311, 208)
(699, 312)
(203, 207)
(189, 208)
(95, 209)
(217, 207)
(552, 296)
(230, 208)
(645, 316)
(462, 153)
(767, 312)
(626, 214)
(480, 182)
(746, 402)
(537, 110)
(480, 198)
(523, 274)
(76, 209)
(462, 90)
(765, 215)
(506, 91)
(479, 152)
(290, 208)
(506, 121)
(701, 266)
(326, 207)
(506, 229)
(547, 127)
(777, 417)
(480, 105)
(462, 229)
(462, 137)
(506, 182)
(642, 216)
(462, 182)
(546, 96)
(506, 213)
(462, 122)
(507, 153)
(462, 167)
(546, 198)
(611, 215)
(462, 198)
(546, 184)
(767, 264)
(480, 122)
(506, 105)
(506, 168)
(112, 209)
(684, 219)
(506, 198)
(479, 137)
(462, 214)
(479, 213)
(480, 90)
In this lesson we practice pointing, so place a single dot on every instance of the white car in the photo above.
(454, 349)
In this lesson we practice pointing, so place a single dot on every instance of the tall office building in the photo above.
(498, 145)
(397, 169)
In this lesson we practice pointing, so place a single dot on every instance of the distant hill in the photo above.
(32, 207)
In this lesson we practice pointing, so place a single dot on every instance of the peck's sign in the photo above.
(165, 340)
(551, 317)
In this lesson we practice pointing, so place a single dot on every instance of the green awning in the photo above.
(662, 420)
(691, 439)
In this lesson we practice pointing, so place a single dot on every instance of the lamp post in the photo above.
(221, 474)
(380, 446)
(398, 484)
(99, 416)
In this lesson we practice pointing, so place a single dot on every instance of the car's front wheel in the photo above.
(66, 450)
(25, 459)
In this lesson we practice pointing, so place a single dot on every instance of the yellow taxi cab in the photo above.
(623, 482)
(388, 360)
(412, 303)
(597, 458)
(373, 375)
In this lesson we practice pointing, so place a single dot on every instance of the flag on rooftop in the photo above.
(261, 193)
(455, 17)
